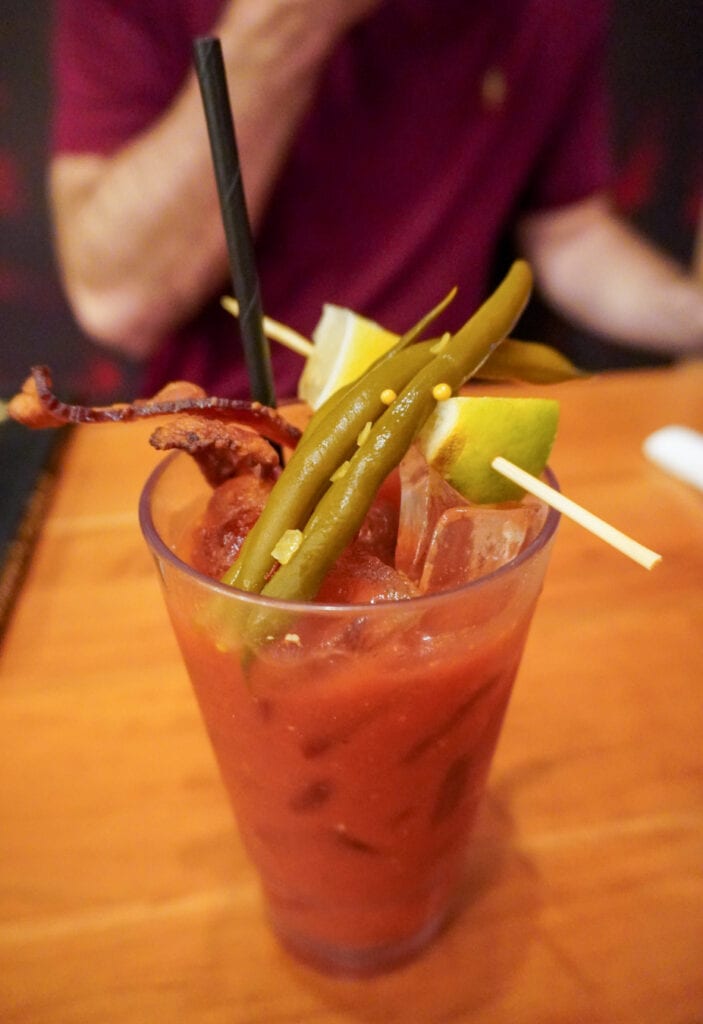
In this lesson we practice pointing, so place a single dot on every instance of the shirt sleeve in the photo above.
(116, 65)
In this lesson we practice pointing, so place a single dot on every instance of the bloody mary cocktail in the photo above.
(355, 742)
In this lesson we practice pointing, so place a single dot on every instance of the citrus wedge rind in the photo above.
(464, 434)
(345, 345)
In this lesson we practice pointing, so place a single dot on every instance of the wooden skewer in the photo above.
(274, 330)
(637, 552)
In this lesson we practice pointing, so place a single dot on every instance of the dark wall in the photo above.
(656, 75)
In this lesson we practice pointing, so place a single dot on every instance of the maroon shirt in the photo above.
(436, 123)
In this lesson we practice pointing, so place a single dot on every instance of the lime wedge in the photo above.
(346, 344)
(464, 434)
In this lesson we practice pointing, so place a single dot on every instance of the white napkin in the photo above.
(679, 451)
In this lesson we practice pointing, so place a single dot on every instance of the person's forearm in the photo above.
(120, 223)
(602, 275)
(139, 233)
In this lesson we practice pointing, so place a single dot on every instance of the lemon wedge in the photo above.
(464, 434)
(346, 344)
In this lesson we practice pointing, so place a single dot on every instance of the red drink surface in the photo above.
(355, 746)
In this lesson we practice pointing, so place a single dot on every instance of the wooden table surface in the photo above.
(124, 892)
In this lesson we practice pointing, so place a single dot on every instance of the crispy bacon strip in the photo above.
(37, 406)
(221, 449)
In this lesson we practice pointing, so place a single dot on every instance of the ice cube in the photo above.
(425, 495)
(357, 579)
(231, 512)
(470, 542)
(360, 577)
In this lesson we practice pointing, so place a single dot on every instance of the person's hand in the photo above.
(344, 13)
(272, 20)
(274, 52)
(599, 272)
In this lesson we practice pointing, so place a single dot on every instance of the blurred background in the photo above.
(656, 81)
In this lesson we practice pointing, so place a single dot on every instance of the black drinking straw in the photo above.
(210, 70)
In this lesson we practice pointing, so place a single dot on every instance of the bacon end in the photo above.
(221, 449)
(37, 406)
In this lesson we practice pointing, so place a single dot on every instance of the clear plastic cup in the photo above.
(355, 745)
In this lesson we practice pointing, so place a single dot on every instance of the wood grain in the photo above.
(124, 892)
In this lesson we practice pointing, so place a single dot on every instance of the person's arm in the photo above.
(601, 274)
(139, 234)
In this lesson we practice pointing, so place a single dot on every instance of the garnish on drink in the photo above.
(361, 429)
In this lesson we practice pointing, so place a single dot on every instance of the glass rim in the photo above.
(161, 549)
